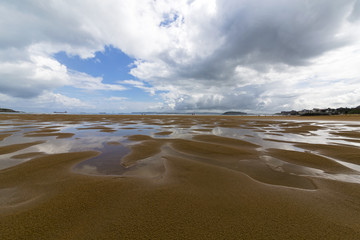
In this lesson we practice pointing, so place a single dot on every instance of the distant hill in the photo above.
(234, 113)
(7, 110)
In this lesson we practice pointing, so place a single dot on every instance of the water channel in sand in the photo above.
(112, 140)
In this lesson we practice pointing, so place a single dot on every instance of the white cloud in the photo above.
(85, 81)
(46, 102)
(28, 79)
(119, 99)
(59, 100)
(31, 78)
(225, 54)
(123, 105)
(140, 85)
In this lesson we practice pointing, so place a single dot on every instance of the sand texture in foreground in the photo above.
(179, 177)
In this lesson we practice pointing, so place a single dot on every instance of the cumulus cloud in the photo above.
(30, 78)
(201, 54)
(308, 57)
(119, 99)
(85, 81)
(124, 105)
(236, 52)
(61, 101)
(44, 102)
(138, 84)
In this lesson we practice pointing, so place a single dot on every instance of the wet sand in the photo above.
(179, 177)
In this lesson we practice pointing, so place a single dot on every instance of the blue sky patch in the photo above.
(112, 64)
(168, 19)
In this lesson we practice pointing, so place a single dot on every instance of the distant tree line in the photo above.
(324, 111)
(7, 110)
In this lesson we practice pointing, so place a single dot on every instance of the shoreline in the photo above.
(339, 116)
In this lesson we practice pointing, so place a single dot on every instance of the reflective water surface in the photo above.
(112, 139)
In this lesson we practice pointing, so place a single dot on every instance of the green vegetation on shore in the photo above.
(7, 110)
(325, 111)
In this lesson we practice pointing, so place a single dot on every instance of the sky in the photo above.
(122, 56)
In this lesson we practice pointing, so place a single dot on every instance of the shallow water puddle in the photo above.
(114, 144)
(107, 163)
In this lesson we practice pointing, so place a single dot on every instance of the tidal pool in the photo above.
(114, 141)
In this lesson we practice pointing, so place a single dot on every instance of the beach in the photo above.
(66, 176)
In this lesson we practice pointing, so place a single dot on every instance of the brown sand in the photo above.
(27, 155)
(203, 129)
(108, 130)
(301, 129)
(113, 143)
(347, 139)
(309, 160)
(265, 174)
(341, 152)
(44, 130)
(141, 151)
(164, 133)
(224, 141)
(348, 134)
(101, 128)
(212, 151)
(212, 188)
(139, 137)
(17, 147)
(57, 135)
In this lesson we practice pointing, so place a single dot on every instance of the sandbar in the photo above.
(222, 182)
